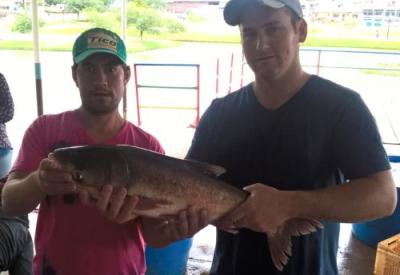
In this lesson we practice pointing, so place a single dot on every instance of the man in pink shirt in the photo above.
(75, 235)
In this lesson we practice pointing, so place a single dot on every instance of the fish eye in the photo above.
(77, 176)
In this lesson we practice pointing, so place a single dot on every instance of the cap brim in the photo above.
(80, 57)
(273, 3)
(234, 8)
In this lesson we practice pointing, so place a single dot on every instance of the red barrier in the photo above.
(230, 75)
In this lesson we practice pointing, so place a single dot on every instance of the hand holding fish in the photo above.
(116, 206)
(186, 224)
(162, 231)
(271, 218)
(53, 179)
(263, 211)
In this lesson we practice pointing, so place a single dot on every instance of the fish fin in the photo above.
(206, 168)
(280, 248)
(298, 227)
(146, 203)
(280, 244)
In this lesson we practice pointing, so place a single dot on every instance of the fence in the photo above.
(375, 74)
(324, 58)
(166, 78)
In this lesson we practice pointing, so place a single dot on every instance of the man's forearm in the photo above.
(21, 195)
(358, 200)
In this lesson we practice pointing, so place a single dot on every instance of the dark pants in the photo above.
(16, 248)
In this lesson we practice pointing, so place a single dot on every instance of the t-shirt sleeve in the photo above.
(32, 149)
(358, 147)
(155, 145)
(201, 142)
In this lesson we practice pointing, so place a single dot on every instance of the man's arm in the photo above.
(23, 192)
(357, 200)
(360, 199)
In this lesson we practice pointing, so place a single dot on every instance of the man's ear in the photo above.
(127, 74)
(73, 72)
(303, 29)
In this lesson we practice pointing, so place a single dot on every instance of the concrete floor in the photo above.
(354, 257)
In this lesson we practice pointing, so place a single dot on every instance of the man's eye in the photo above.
(88, 68)
(272, 30)
(77, 176)
(248, 35)
(112, 69)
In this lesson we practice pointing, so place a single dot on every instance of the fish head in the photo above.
(94, 166)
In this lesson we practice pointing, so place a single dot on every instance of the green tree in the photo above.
(23, 23)
(107, 20)
(54, 2)
(144, 19)
(77, 6)
(174, 25)
(155, 4)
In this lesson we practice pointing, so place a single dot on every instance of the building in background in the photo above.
(184, 6)
(370, 13)
(380, 13)
(12, 6)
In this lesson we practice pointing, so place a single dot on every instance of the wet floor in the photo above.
(354, 257)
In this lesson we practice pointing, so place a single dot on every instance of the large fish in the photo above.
(166, 185)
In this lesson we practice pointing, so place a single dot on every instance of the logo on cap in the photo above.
(101, 40)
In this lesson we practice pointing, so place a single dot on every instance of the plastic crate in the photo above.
(387, 260)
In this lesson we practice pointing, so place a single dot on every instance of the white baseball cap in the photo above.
(234, 8)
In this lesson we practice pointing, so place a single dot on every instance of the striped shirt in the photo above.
(6, 112)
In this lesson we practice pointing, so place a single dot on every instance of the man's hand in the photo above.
(187, 223)
(118, 206)
(52, 179)
(162, 232)
(265, 210)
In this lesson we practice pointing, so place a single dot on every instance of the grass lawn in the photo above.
(59, 36)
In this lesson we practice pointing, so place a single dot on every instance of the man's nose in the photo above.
(262, 42)
(100, 77)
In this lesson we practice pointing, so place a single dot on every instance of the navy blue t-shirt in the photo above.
(322, 136)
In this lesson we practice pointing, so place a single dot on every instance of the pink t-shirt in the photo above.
(72, 238)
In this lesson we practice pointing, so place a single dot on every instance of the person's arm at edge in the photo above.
(21, 193)
(6, 102)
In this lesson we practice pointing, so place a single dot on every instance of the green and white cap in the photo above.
(98, 40)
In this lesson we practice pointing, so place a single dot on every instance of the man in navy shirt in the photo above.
(303, 146)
